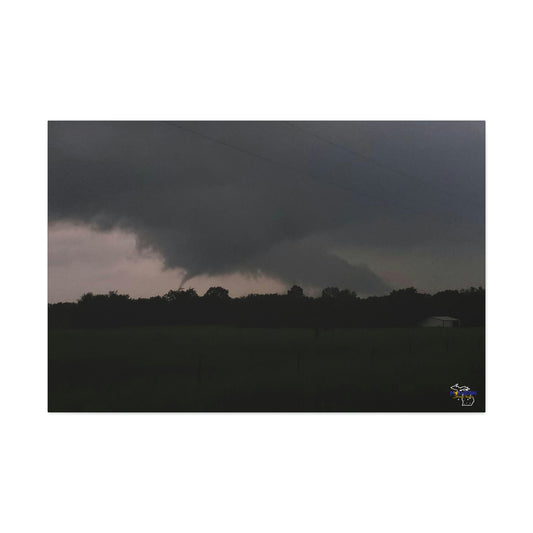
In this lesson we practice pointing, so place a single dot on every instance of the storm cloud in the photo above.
(308, 203)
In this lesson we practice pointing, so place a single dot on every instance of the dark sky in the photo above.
(370, 206)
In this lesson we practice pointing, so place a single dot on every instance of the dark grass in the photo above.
(238, 369)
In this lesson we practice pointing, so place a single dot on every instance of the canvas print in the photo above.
(266, 266)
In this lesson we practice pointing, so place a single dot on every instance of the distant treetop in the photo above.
(295, 292)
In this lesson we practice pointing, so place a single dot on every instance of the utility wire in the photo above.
(295, 170)
(283, 166)
(378, 164)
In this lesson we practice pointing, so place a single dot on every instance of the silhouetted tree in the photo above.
(410, 291)
(217, 293)
(86, 298)
(295, 292)
(331, 292)
(335, 308)
(345, 293)
(116, 297)
(181, 295)
(191, 294)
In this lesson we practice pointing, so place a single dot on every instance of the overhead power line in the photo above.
(303, 174)
(379, 164)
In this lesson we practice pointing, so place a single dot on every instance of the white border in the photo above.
(274, 60)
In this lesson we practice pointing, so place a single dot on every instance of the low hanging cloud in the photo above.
(273, 199)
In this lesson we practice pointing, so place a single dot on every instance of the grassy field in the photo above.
(239, 369)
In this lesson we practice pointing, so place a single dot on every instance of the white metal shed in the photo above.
(441, 322)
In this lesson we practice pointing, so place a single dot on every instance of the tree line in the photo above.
(334, 308)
